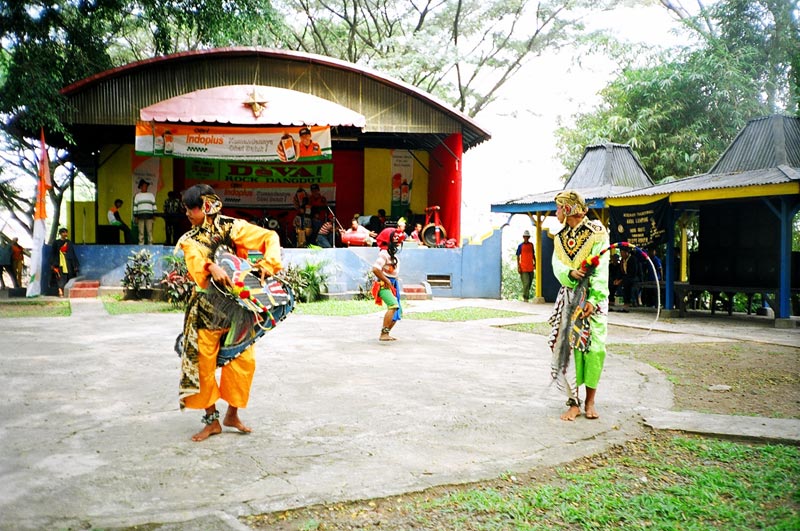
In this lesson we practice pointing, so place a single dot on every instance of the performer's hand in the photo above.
(219, 275)
(587, 310)
(264, 274)
(577, 274)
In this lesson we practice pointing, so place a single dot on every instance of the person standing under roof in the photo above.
(526, 264)
(144, 210)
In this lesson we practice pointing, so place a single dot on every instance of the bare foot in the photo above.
(387, 337)
(571, 414)
(232, 421)
(212, 429)
(590, 411)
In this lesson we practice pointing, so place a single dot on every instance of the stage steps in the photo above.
(84, 289)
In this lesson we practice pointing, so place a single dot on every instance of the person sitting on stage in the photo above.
(115, 219)
(358, 234)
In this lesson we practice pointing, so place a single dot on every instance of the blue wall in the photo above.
(474, 270)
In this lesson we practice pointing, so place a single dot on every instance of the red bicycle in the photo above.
(433, 234)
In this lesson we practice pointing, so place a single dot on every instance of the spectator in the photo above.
(144, 210)
(115, 219)
(17, 261)
(325, 232)
(526, 264)
(173, 214)
(64, 261)
(629, 273)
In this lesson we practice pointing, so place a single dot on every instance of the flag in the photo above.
(39, 216)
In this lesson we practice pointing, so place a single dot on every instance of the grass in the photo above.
(540, 328)
(35, 308)
(660, 482)
(115, 305)
(338, 308)
(462, 314)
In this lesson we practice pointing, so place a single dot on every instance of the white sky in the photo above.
(520, 159)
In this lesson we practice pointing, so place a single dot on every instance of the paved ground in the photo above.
(91, 434)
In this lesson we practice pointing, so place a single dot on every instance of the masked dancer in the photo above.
(387, 288)
(209, 316)
(580, 314)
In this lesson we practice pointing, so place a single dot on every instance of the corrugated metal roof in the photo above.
(712, 181)
(608, 165)
(114, 97)
(231, 104)
(605, 170)
(765, 142)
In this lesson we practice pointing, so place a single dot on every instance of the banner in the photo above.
(272, 144)
(146, 169)
(640, 225)
(402, 181)
(260, 185)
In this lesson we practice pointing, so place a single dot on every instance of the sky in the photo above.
(520, 159)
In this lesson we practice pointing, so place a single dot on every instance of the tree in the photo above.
(680, 115)
(19, 153)
(48, 45)
(462, 51)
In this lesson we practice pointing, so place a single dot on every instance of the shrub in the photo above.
(138, 272)
(308, 282)
(176, 281)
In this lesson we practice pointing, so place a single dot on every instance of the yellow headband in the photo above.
(571, 202)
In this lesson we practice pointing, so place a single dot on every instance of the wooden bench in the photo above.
(685, 292)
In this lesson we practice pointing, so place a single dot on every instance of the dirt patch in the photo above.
(732, 378)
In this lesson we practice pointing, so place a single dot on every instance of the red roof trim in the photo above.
(129, 68)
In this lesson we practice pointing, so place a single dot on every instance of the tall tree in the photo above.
(680, 114)
(462, 51)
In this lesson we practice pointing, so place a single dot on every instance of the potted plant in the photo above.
(138, 275)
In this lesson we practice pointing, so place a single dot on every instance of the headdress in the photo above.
(212, 204)
(571, 202)
(385, 237)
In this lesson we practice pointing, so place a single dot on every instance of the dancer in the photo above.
(387, 288)
(208, 318)
(580, 314)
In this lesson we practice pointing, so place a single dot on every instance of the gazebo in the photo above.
(605, 170)
(746, 204)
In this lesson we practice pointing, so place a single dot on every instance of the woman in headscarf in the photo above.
(209, 313)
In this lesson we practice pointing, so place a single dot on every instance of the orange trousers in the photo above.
(235, 378)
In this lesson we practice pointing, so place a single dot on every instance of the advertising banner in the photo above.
(260, 185)
(271, 144)
(402, 181)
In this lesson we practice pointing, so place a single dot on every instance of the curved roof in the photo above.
(391, 108)
(232, 104)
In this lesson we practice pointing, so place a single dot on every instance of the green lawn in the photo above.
(35, 308)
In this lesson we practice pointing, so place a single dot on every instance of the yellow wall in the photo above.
(114, 180)
(378, 181)
(84, 222)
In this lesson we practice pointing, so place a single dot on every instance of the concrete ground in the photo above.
(92, 436)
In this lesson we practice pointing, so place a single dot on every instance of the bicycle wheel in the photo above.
(428, 235)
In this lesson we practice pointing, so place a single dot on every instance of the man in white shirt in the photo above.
(144, 210)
